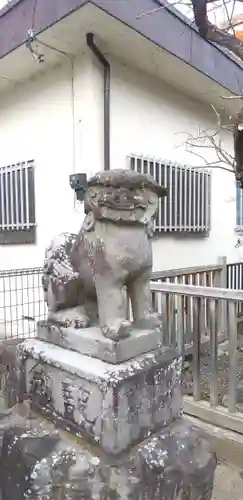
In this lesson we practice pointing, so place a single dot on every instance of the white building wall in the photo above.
(36, 122)
(146, 116)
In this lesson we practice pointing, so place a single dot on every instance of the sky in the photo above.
(3, 2)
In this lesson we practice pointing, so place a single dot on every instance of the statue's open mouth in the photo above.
(121, 201)
(121, 205)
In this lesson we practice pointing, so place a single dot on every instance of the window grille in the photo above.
(17, 203)
(186, 208)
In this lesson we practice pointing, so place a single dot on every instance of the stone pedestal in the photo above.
(112, 405)
(130, 412)
(91, 342)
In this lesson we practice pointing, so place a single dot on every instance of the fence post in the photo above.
(223, 305)
(223, 273)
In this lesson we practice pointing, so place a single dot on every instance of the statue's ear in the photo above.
(149, 215)
(152, 208)
(90, 200)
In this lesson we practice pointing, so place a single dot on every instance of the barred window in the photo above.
(186, 208)
(17, 203)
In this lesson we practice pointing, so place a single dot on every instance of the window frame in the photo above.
(239, 209)
(178, 217)
(17, 218)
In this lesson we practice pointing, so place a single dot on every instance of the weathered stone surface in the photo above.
(9, 373)
(84, 275)
(177, 462)
(113, 405)
(91, 342)
(119, 178)
(37, 463)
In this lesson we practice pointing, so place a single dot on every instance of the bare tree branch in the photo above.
(228, 34)
(211, 140)
(225, 39)
(211, 32)
(207, 30)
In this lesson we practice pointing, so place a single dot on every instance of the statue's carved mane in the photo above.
(129, 179)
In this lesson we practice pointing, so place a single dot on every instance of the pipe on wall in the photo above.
(107, 85)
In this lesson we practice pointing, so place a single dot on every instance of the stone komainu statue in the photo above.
(84, 275)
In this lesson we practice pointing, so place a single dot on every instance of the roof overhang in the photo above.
(161, 43)
(165, 27)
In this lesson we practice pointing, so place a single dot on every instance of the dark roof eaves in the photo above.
(169, 29)
(193, 27)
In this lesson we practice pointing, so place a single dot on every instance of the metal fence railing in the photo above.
(21, 302)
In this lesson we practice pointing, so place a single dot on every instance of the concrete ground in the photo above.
(228, 483)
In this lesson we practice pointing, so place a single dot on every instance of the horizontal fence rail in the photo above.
(21, 293)
(30, 302)
(209, 305)
(206, 276)
(198, 291)
(22, 300)
(177, 310)
(190, 273)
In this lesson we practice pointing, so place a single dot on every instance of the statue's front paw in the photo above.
(151, 321)
(117, 330)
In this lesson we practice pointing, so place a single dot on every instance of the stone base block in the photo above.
(38, 463)
(113, 405)
(91, 342)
